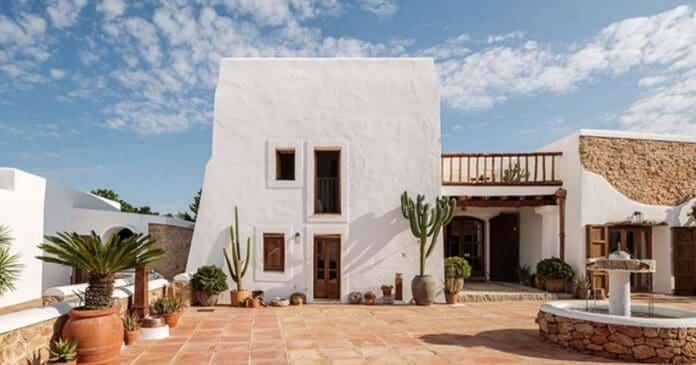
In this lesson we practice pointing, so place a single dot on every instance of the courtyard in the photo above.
(479, 333)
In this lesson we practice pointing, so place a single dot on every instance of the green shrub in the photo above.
(554, 268)
(457, 267)
(210, 279)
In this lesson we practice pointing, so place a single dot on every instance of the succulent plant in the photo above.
(233, 255)
(63, 350)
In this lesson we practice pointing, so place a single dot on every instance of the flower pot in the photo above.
(355, 297)
(584, 293)
(172, 319)
(99, 334)
(423, 289)
(69, 362)
(207, 299)
(555, 285)
(252, 302)
(386, 292)
(538, 283)
(369, 300)
(451, 298)
(130, 337)
(237, 297)
(297, 299)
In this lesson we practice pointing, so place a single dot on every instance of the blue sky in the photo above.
(119, 95)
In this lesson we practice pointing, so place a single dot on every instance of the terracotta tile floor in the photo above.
(475, 333)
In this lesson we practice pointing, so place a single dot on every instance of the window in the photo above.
(285, 164)
(273, 252)
(327, 185)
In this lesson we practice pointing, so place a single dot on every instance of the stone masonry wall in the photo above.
(176, 242)
(627, 343)
(29, 345)
(647, 171)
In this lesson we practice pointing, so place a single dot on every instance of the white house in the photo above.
(315, 153)
(32, 206)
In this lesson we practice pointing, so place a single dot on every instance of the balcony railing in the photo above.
(500, 169)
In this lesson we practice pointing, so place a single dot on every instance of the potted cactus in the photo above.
(456, 270)
(169, 308)
(209, 281)
(235, 264)
(582, 286)
(426, 223)
(297, 298)
(131, 325)
(64, 352)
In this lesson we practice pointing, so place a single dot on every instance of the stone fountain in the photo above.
(619, 266)
(618, 329)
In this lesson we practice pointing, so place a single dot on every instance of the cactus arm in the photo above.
(248, 254)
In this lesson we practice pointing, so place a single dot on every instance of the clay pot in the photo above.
(172, 319)
(584, 293)
(386, 292)
(252, 302)
(555, 285)
(423, 289)
(237, 297)
(69, 362)
(99, 334)
(538, 283)
(131, 336)
(297, 299)
(451, 298)
(207, 299)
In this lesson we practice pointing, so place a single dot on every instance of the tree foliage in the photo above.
(125, 206)
(10, 268)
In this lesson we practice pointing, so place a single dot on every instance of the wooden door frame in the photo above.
(317, 237)
(675, 290)
(483, 222)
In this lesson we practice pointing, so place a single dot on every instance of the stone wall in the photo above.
(627, 343)
(647, 171)
(176, 242)
(29, 345)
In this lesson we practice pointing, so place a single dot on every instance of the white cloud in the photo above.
(278, 12)
(64, 13)
(506, 37)
(112, 8)
(23, 48)
(382, 8)
(57, 74)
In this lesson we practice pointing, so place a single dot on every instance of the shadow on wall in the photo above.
(524, 342)
(673, 216)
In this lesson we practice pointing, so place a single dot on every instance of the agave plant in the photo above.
(63, 350)
(10, 267)
(100, 260)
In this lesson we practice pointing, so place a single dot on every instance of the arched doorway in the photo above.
(123, 232)
(464, 237)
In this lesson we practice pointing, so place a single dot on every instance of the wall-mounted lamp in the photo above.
(296, 238)
(638, 217)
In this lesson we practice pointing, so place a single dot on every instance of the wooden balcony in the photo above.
(501, 169)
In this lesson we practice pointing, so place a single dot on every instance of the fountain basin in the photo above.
(670, 337)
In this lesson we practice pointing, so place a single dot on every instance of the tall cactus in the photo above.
(426, 221)
(233, 256)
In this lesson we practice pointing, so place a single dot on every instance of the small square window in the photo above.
(285, 164)
(273, 252)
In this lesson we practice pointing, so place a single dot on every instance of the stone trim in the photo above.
(647, 171)
(627, 343)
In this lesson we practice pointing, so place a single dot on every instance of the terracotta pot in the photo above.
(297, 299)
(172, 319)
(70, 362)
(369, 301)
(99, 334)
(584, 293)
(423, 289)
(252, 302)
(451, 298)
(237, 297)
(538, 283)
(386, 292)
(207, 299)
(131, 336)
(555, 285)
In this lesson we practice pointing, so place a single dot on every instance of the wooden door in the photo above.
(684, 260)
(597, 246)
(637, 241)
(327, 267)
(464, 238)
(505, 247)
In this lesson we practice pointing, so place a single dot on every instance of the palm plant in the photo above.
(100, 260)
(10, 267)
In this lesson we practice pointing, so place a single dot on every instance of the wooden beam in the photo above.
(507, 203)
(561, 199)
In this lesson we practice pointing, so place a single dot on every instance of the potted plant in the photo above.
(582, 287)
(355, 297)
(524, 275)
(386, 290)
(456, 270)
(554, 272)
(64, 352)
(96, 325)
(169, 308)
(297, 298)
(235, 264)
(131, 325)
(425, 223)
(209, 281)
(10, 267)
(370, 298)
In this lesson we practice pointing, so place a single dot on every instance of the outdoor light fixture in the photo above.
(637, 217)
(297, 238)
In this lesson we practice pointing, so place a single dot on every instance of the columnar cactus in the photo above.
(426, 221)
(233, 256)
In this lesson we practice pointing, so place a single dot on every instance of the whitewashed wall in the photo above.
(383, 113)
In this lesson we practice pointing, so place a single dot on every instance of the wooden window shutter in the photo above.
(597, 245)
(273, 252)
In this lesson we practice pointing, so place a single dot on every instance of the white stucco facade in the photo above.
(32, 206)
(383, 117)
